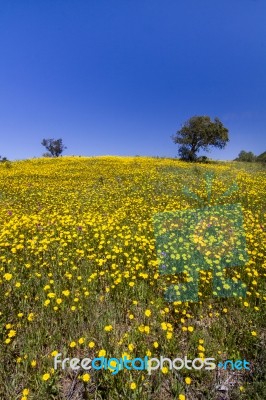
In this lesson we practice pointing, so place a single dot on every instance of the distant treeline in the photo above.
(248, 156)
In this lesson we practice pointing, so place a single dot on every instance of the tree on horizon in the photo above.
(55, 147)
(200, 133)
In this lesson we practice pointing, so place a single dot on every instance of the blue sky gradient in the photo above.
(120, 77)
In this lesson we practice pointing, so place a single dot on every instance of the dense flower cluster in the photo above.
(79, 272)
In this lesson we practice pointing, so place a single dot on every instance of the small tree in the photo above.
(55, 147)
(199, 132)
(3, 159)
(246, 156)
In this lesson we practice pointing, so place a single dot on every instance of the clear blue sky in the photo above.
(120, 77)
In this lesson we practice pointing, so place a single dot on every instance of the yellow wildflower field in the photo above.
(79, 275)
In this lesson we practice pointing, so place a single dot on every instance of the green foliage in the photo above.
(203, 159)
(246, 156)
(55, 147)
(199, 132)
(262, 157)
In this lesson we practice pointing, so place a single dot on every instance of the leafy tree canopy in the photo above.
(55, 147)
(200, 133)
(246, 156)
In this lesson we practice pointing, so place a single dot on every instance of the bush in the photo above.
(203, 159)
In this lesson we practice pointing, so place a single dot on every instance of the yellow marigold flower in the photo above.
(133, 386)
(112, 365)
(164, 370)
(81, 340)
(190, 329)
(91, 345)
(169, 335)
(188, 380)
(170, 327)
(146, 329)
(164, 326)
(254, 333)
(108, 328)
(8, 276)
(46, 376)
(25, 392)
(12, 333)
(86, 377)
(156, 345)
(102, 353)
(72, 344)
(148, 313)
(30, 316)
(181, 397)
(33, 363)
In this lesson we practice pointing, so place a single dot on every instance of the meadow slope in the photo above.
(79, 275)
